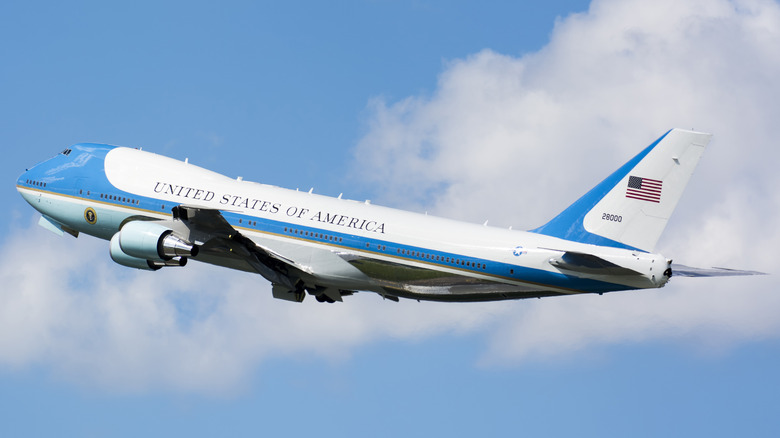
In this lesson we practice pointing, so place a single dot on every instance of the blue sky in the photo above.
(471, 110)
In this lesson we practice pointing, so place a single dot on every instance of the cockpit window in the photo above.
(66, 151)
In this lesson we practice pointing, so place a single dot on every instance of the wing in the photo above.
(414, 282)
(223, 245)
(688, 271)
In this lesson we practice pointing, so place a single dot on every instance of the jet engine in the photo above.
(149, 245)
(124, 259)
(152, 241)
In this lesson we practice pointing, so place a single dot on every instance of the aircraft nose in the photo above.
(30, 187)
(23, 184)
(23, 180)
(28, 179)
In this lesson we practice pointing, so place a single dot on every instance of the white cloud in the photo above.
(516, 139)
(198, 328)
(610, 81)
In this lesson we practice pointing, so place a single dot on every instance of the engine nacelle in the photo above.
(152, 241)
(124, 259)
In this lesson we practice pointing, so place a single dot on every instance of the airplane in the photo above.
(160, 212)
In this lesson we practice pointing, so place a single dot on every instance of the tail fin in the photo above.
(630, 208)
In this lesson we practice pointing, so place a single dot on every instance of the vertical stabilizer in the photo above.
(631, 207)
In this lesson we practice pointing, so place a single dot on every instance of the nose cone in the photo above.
(31, 178)
(25, 187)
(21, 179)
(42, 176)
(32, 183)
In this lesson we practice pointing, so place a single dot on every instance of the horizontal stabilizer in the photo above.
(687, 271)
(589, 264)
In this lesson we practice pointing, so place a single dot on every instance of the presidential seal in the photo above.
(90, 216)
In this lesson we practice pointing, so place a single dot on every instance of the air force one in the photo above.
(160, 212)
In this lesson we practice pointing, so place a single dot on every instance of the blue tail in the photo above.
(631, 207)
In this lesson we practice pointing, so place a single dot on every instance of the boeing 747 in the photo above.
(158, 212)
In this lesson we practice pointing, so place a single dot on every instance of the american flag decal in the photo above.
(644, 189)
